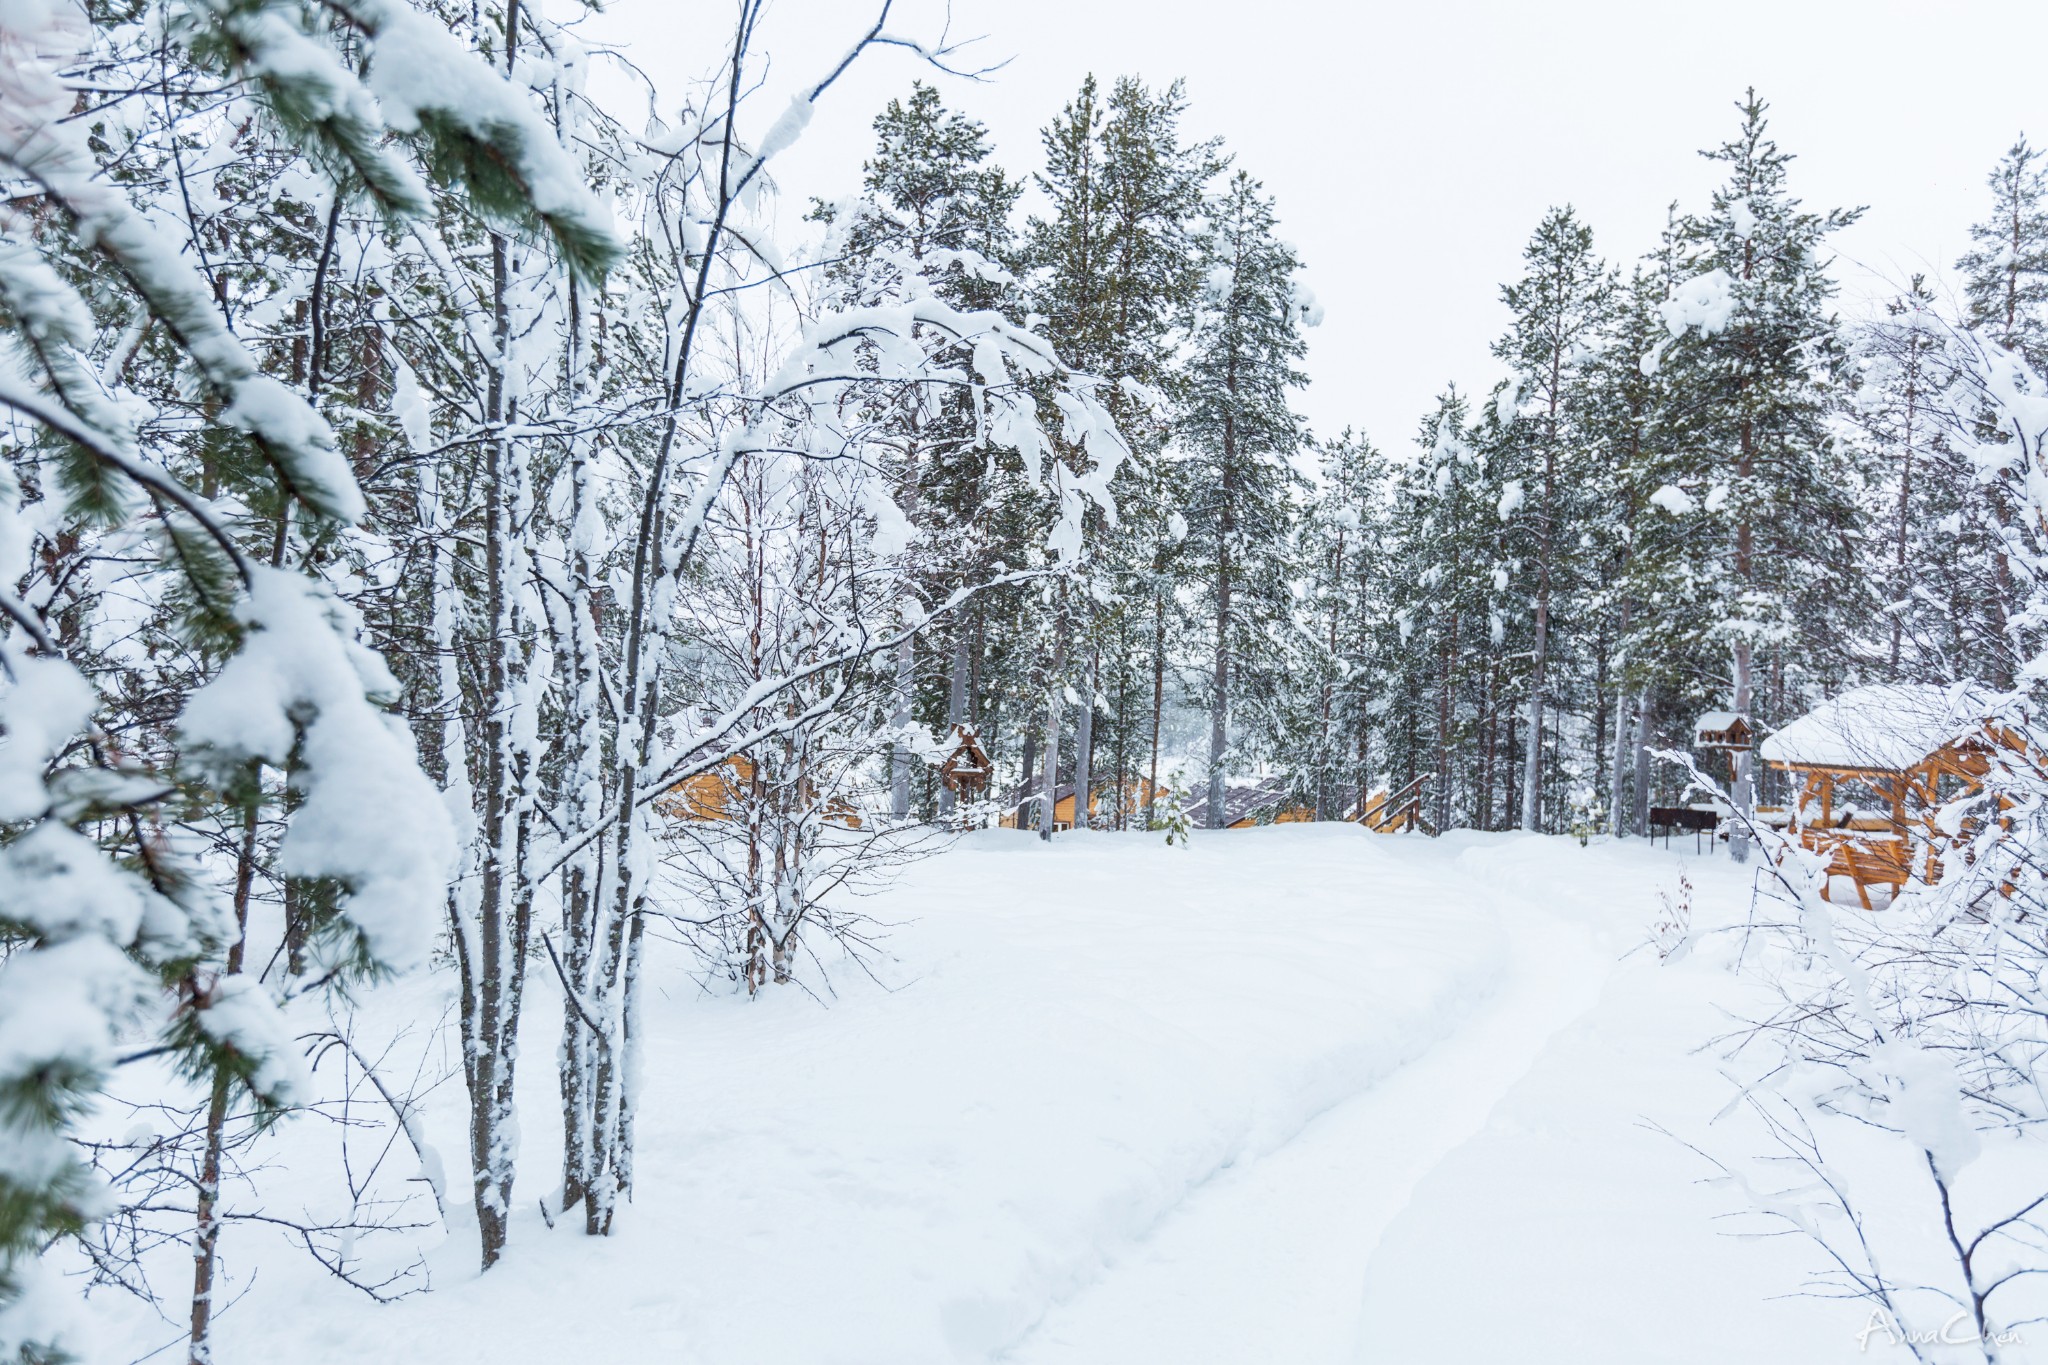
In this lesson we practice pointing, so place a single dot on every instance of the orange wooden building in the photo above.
(1871, 770)
(709, 796)
(1135, 794)
(714, 796)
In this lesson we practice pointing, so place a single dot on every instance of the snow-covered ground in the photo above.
(1300, 1094)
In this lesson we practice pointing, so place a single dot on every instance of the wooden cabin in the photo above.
(709, 796)
(1103, 797)
(714, 796)
(1246, 804)
(1871, 770)
(1024, 803)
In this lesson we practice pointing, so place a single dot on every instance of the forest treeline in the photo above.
(1699, 487)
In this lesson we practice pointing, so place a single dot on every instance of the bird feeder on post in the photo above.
(1726, 732)
(966, 770)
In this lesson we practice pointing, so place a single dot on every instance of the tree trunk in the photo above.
(899, 752)
(1532, 770)
(494, 958)
(956, 707)
(1158, 706)
(1084, 745)
(206, 1233)
(1745, 574)
(1028, 769)
(1443, 725)
(1617, 781)
(1219, 702)
(1738, 835)
(1219, 698)
(1055, 685)
(1645, 728)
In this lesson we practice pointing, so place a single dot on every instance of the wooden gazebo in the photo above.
(1872, 768)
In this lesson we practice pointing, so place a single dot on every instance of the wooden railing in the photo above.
(1397, 812)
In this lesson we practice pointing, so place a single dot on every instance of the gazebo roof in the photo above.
(1886, 727)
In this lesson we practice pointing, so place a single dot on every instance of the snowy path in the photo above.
(1300, 1095)
(1267, 1261)
(1499, 1197)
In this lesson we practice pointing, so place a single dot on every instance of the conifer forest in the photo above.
(602, 758)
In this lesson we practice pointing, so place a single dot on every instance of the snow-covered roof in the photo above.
(1887, 726)
(1240, 800)
(1027, 791)
(1716, 722)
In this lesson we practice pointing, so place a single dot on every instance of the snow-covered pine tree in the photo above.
(1641, 550)
(1346, 612)
(1494, 668)
(2005, 288)
(929, 190)
(1756, 356)
(2005, 276)
(1446, 571)
(1154, 182)
(1558, 306)
(1934, 546)
(1117, 270)
(1241, 435)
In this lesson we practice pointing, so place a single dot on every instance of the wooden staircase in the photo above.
(1397, 812)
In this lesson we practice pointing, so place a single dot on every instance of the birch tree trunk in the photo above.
(583, 895)
(492, 955)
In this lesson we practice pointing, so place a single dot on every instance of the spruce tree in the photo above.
(1557, 307)
(1341, 553)
(1241, 435)
(1641, 550)
(1116, 274)
(2005, 276)
(1758, 358)
(1934, 548)
(934, 207)
(1447, 525)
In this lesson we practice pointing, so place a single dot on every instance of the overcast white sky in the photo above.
(1412, 147)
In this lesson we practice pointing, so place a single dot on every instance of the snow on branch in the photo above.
(300, 693)
(481, 129)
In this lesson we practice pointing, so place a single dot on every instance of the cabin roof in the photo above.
(1240, 799)
(1886, 727)
(1028, 791)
